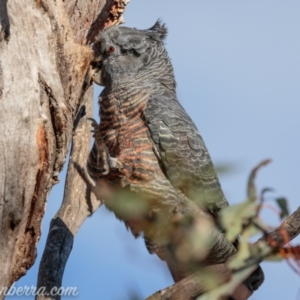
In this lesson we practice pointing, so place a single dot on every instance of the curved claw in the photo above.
(94, 122)
(92, 119)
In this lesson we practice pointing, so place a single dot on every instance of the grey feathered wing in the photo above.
(182, 153)
(184, 160)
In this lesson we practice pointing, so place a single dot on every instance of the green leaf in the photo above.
(283, 205)
(247, 252)
(251, 189)
(274, 257)
(234, 218)
(229, 287)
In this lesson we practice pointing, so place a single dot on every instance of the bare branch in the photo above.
(290, 227)
(195, 285)
(72, 213)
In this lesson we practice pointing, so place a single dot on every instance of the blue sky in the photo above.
(237, 65)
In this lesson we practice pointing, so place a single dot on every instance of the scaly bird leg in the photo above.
(103, 160)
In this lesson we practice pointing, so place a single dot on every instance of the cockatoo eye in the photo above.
(111, 49)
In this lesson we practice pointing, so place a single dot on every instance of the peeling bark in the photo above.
(111, 15)
(44, 76)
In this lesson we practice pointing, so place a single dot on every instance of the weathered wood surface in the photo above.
(73, 211)
(44, 74)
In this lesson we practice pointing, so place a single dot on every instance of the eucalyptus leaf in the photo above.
(283, 205)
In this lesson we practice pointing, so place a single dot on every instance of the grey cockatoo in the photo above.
(146, 144)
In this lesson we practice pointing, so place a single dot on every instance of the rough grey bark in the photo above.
(44, 73)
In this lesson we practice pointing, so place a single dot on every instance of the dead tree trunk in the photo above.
(44, 76)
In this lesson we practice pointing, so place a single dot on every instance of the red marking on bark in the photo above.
(110, 15)
(42, 143)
